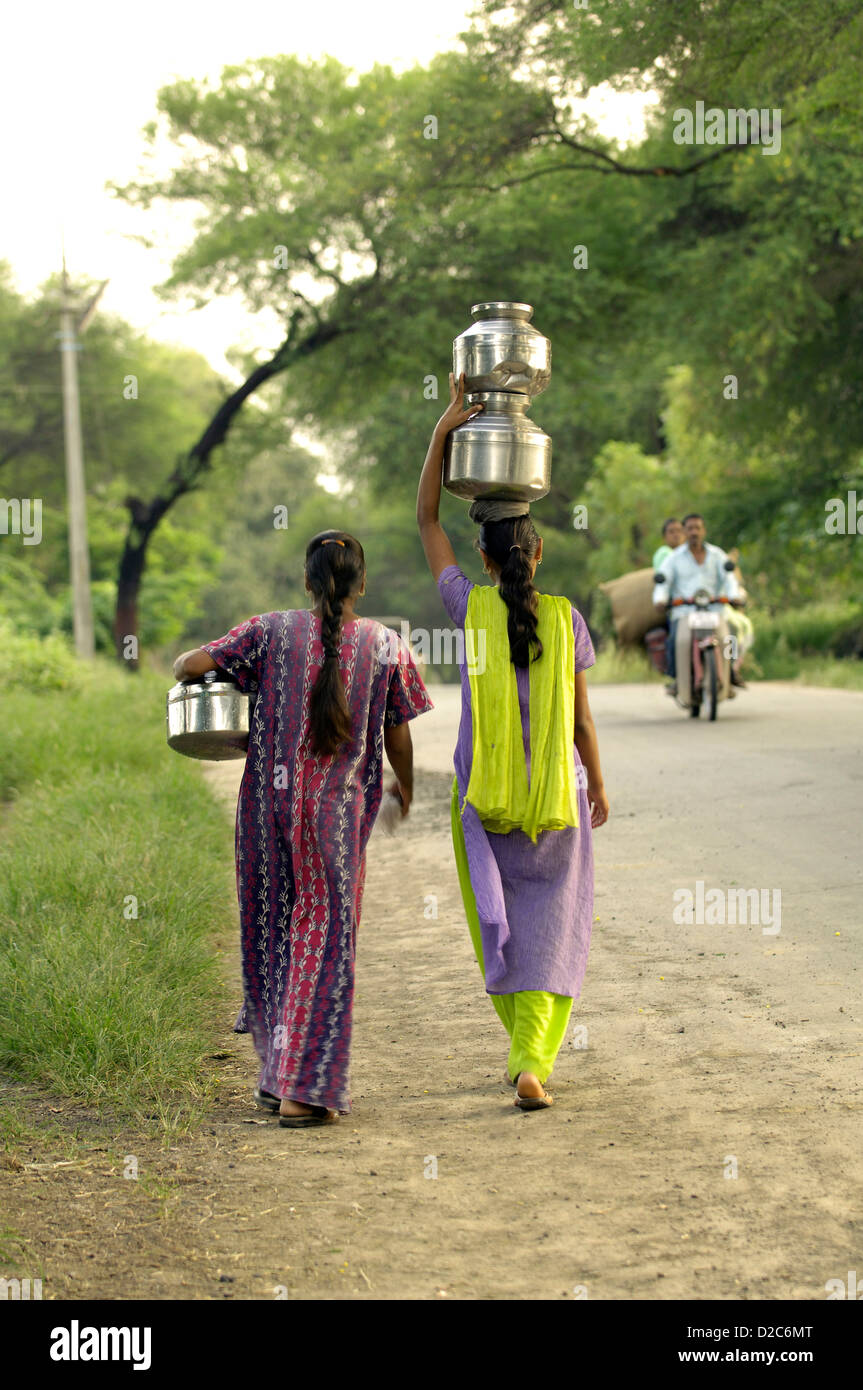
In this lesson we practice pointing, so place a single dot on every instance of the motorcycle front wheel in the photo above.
(710, 684)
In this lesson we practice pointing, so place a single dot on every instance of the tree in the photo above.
(369, 211)
(137, 397)
(323, 199)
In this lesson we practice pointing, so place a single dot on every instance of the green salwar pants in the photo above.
(535, 1020)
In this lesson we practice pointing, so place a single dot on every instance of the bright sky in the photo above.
(79, 81)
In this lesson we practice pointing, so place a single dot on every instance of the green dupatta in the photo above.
(498, 786)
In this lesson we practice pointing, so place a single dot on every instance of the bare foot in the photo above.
(530, 1085)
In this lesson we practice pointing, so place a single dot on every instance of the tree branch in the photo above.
(189, 468)
(608, 164)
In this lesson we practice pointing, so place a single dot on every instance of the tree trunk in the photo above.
(128, 587)
(190, 467)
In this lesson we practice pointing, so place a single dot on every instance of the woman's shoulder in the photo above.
(389, 644)
(267, 623)
(562, 604)
(372, 629)
(287, 624)
(284, 619)
(453, 575)
(559, 601)
(455, 588)
(452, 581)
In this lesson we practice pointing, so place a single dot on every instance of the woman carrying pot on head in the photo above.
(528, 788)
(334, 693)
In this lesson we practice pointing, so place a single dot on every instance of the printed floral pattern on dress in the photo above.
(303, 824)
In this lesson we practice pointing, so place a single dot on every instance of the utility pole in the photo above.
(79, 553)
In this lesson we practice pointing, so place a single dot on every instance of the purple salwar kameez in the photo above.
(534, 901)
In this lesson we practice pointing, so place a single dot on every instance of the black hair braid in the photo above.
(335, 566)
(512, 543)
(331, 617)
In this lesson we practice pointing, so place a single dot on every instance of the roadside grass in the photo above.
(813, 643)
(820, 645)
(831, 672)
(630, 665)
(622, 666)
(113, 877)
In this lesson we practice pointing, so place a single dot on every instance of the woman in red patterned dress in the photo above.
(335, 692)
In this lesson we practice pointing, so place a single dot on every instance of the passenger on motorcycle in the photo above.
(692, 566)
(672, 537)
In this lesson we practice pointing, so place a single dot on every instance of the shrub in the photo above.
(40, 663)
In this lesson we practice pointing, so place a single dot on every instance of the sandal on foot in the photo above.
(534, 1102)
(265, 1101)
(320, 1116)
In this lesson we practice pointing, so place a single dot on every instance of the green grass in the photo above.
(826, 671)
(814, 644)
(616, 666)
(95, 1003)
(818, 643)
(621, 665)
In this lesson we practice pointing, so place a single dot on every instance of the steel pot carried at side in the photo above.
(209, 718)
(506, 362)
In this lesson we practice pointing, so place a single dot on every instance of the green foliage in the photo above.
(325, 204)
(836, 675)
(131, 442)
(743, 269)
(24, 596)
(34, 663)
(834, 629)
(628, 498)
(95, 1004)
(621, 666)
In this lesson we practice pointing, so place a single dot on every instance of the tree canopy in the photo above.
(704, 300)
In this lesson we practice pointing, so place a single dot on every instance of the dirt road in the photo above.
(705, 1140)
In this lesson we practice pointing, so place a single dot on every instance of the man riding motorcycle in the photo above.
(692, 566)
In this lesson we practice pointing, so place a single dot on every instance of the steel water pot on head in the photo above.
(499, 453)
(210, 718)
(506, 362)
(502, 351)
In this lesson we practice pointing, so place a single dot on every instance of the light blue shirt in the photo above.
(684, 575)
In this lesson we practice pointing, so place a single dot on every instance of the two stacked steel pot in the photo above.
(506, 362)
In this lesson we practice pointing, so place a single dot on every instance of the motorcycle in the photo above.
(703, 647)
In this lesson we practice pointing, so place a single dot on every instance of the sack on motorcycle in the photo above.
(632, 610)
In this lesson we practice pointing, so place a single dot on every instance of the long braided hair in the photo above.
(512, 544)
(335, 569)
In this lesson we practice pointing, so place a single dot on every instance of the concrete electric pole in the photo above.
(79, 553)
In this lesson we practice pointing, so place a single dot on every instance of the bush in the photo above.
(819, 629)
(103, 597)
(40, 663)
(24, 600)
